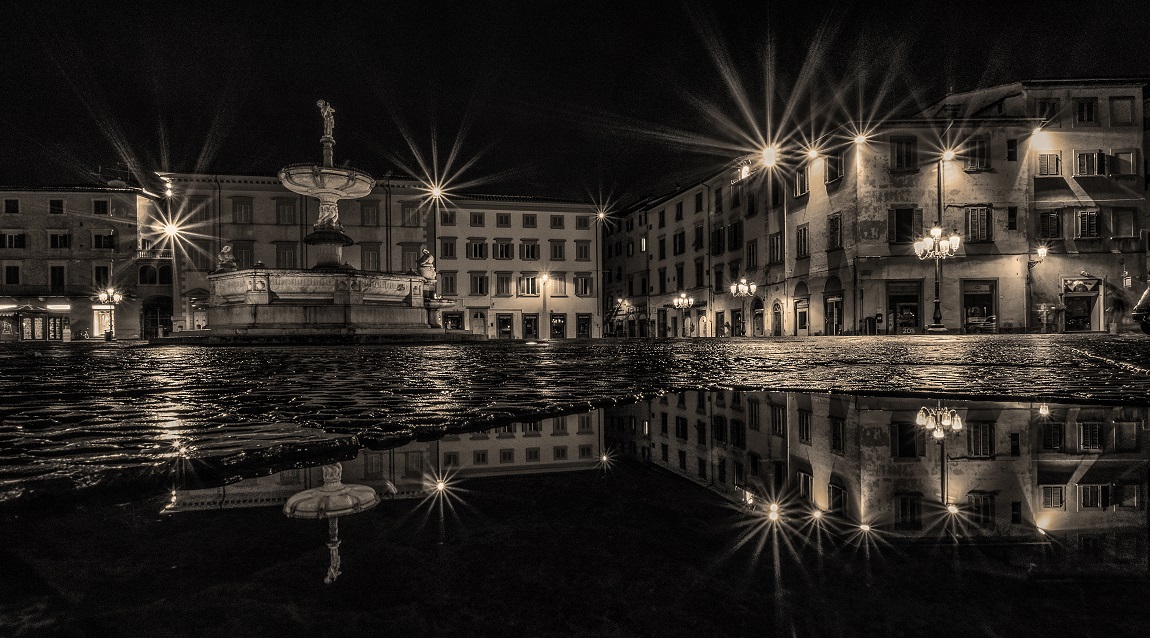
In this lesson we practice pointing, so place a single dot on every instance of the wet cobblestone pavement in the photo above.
(71, 413)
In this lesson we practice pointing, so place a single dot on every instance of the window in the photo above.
(530, 220)
(753, 408)
(904, 225)
(369, 213)
(736, 196)
(1053, 496)
(1012, 150)
(1086, 111)
(1086, 224)
(447, 248)
(978, 226)
(558, 249)
(980, 440)
(557, 285)
(802, 241)
(701, 432)
(556, 221)
(507, 455)
(836, 499)
(806, 486)
(478, 283)
(586, 452)
(738, 433)
(699, 202)
(559, 453)
(241, 210)
(1016, 512)
(11, 274)
(752, 207)
(775, 249)
(1122, 164)
(835, 231)
(1049, 164)
(838, 436)
(479, 457)
(718, 199)
(903, 154)
(662, 218)
(582, 222)
(532, 454)
(1046, 108)
(503, 220)
(719, 279)
(779, 420)
(504, 249)
(55, 207)
(1052, 436)
(585, 424)
(1121, 111)
(503, 284)
(529, 285)
(679, 211)
(583, 285)
(59, 240)
(285, 212)
(908, 511)
(679, 243)
(101, 276)
(104, 240)
(699, 273)
(1090, 496)
(411, 216)
(1050, 224)
(978, 155)
(535, 428)
(906, 441)
(447, 283)
(804, 427)
(662, 248)
(1011, 218)
(1124, 222)
(735, 236)
(529, 250)
(802, 185)
(476, 248)
(446, 217)
(285, 254)
(752, 255)
(559, 425)
(702, 464)
(718, 240)
(981, 509)
(1090, 436)
(478, 220)
(101, 207)
(833, 168)
(1089, 162)
(582, 250)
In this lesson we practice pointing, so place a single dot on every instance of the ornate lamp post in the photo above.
(683, 302)
(545, 328)
(109, 298)
(935, 246)
(742, 290)
(939, 421)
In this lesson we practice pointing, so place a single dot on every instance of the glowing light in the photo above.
(59, 306)
(860, 139)
(948, 155)
(864, 527)
(774, 516)
(440, 486)
(774, 507)
(813, 153)
(171, 230)
(817, 514)
(1042, 252)
(436, 192)
(770, 156)
(952, 508)
(1044, 410)
(1040, 141)
(1041, 531)
(1037, 130)
(168, 192)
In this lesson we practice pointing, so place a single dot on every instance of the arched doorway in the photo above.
(156, 319)
(777, 319)
(833, 306)
(758, 327)
(802, 309)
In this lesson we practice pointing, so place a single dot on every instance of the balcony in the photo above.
(154, 253)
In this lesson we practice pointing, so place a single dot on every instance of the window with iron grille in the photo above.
(978, 225)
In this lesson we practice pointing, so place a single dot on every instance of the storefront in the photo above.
(979, 306)
(36, 323)
(504, 323)
(1082, 299)
(904, 306)
(558, 325)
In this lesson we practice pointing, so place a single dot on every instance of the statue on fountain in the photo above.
(328, 114)
(226, 261)
(426, 264)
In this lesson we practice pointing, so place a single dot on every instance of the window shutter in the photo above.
(990, 438)
(918, 232)
(891, 232)
(1043, 164)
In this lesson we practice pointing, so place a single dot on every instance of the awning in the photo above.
(1053, 473)
(1104, 471)
(1085, 191)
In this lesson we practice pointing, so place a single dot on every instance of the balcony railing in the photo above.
(154, 253)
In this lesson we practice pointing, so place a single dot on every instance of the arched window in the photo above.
(148, 276)
(165, 274)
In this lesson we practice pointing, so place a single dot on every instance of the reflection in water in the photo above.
(1062, 484)
(330, 501)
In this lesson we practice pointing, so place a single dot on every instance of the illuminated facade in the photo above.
(827, 231)
(59, 249)
(491, 252)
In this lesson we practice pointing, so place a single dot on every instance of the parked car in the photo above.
(979, 323)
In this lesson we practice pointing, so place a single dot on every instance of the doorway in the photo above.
(530, 326)
(904, 307)
(979, 311)
(503, 326)
(479, 322)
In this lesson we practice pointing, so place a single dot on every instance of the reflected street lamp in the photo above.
(1041, 253)
(683, 302)
(939, 421)
(742, 290)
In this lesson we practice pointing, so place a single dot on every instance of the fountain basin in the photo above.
(316, 180)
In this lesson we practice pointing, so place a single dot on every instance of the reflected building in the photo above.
(1071, 478)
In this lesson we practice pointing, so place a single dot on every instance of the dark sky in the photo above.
(575, 100)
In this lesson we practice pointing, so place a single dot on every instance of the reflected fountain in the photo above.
(330, 501)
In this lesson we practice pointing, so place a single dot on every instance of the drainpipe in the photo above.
(708, 282)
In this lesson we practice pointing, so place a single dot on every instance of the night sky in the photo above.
(581, 100)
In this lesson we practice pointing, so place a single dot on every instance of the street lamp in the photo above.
(109, 298)
(683, 302)
(1030, 264)
(544, 330)
(939, 421)
(934, 246)
(742, 290)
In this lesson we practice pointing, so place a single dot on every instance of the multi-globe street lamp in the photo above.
(109, 298)
(741, 290)
(683, 302)
(939, 421)
(935, 246)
